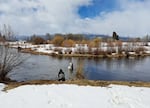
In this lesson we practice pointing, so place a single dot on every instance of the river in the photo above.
(39, 67)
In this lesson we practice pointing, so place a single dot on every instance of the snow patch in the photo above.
(73, 96)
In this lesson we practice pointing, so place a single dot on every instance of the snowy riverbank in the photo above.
(74, 96)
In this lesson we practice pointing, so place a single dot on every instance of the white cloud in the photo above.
(61, 16)
(40, 16)
(131, 20)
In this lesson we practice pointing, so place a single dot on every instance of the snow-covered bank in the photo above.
(130, 47)
(73, 96)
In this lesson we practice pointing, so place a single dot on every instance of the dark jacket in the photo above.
(61, 75)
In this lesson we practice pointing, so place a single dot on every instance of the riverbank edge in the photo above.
(12, 85)
(84, 55)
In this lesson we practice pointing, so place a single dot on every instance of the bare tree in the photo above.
(7, 33)
(9, 57)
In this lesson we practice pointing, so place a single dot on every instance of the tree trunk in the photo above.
(3, 77)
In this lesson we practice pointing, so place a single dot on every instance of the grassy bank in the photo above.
(84, 55)
(11, 85)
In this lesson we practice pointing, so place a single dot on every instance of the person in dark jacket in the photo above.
(61, 75)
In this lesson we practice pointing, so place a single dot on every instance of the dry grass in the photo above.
(11, 85)
(81, 55)
(79, 73)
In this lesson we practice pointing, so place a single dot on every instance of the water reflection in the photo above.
(44, 67)
(132, 69)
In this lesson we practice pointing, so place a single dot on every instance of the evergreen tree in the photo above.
(115, 36)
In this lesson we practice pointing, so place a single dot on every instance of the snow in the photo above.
(74, 96)
(45, 51)
(49, 48)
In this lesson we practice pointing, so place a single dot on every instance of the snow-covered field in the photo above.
(73, 96)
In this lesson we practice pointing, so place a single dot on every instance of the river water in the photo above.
(39, 67)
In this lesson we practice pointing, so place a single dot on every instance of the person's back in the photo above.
(61, 75)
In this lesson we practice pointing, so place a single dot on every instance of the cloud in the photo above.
(61, 16)
(40, 16)
(132, 19)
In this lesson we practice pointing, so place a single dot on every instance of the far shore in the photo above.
(84, 55)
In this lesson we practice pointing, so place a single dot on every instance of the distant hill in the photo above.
(92, 36)
(89, 36)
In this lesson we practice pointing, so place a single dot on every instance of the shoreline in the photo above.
(84, 55)
(11, 85)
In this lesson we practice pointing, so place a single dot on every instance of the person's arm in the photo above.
(58, 74)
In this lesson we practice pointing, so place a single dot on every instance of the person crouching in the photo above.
(61, 75)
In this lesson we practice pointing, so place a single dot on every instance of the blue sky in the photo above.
(97, 7)
(126, 17)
